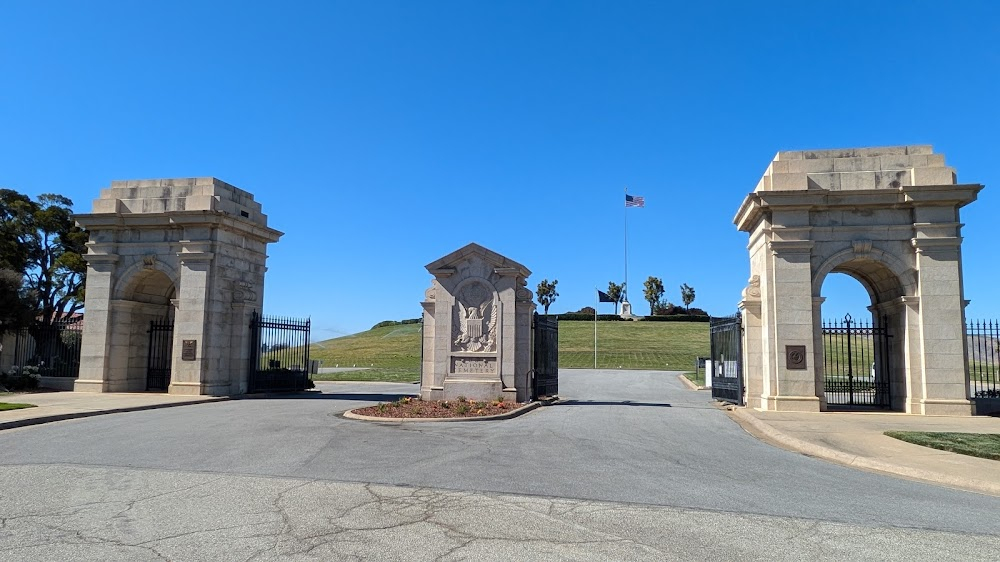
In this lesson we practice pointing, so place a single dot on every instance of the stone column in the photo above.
(427, 382)
(791, 279)
(753, 354)
(95, 349)
(817, 356)
(191, 318)
(524, 361)
(944, 385)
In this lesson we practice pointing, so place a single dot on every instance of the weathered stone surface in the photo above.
(888, 216)
(191, 250)
(477, 322)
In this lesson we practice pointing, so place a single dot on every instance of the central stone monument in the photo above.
(477, 328)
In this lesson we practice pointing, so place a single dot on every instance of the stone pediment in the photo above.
(472, 250)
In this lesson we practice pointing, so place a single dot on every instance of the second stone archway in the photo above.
(887, 216)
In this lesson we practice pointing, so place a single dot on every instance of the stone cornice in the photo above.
(195, 257)
(94, 259)
(937, 195)
(931, 244)
(472, 249)
(507, 271)
(779, 247)
(756, 204)
(176, 219)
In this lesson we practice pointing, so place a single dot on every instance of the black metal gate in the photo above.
(161, 345)
(279, 354)
(856, 363)
(546, 336)
(726, 336)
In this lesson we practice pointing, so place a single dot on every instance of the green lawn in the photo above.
(670, 346)
(984, 445)
(10, 406)
(392, 353)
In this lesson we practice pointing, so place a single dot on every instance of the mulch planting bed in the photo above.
(416, 408)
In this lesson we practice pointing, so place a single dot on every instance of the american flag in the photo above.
(634, 201)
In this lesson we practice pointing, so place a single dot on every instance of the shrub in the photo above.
(676, 318)
(18, 381)
(575, 316)
(385, 323)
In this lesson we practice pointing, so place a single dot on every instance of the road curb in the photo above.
(766, 432)
(688, 383)
(27, 422)
(505, 416)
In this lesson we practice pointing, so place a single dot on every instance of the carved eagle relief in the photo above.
(476, 326)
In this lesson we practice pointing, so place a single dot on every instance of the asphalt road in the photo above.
(631, 465)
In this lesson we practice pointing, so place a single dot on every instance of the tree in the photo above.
(653, 292)
(687, 296)
(16, 212)
(615, 292)
(56, 271)
(41, 252)
(547, 293)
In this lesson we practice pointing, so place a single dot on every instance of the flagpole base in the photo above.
(627, 310)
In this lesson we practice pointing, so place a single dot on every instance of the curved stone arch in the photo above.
(129, 278)
(475, 278)
(902, 280)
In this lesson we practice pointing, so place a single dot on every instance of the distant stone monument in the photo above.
(477, 328)
(888, 217)
(627, 310)
(175, 268)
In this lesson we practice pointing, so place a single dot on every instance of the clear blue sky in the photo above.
(380, 136)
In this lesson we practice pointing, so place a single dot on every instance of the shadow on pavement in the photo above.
(611, 403)
(365, 397)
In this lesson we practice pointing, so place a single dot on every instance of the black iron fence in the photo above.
(46, 350)
(279, 354)
(726, 336)
(856, 363)
(160, 357)
(546, 360)
(983, 343)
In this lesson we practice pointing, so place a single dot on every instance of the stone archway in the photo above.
(189, 249)
(888, 217)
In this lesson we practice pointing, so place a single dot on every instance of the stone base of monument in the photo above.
(471, 389)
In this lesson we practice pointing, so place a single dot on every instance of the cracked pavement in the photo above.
(634, 468)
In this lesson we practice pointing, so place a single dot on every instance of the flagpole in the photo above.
(597, 303)
(625, 290)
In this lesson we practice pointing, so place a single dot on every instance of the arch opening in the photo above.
(147, 313)
(860, 367)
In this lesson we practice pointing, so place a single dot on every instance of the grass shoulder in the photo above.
(14, 406)
(983, 445)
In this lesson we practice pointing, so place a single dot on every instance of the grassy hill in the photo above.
(392, 353)
(669, 346)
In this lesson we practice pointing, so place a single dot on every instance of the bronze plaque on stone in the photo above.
(188, 349)
(795, 357)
